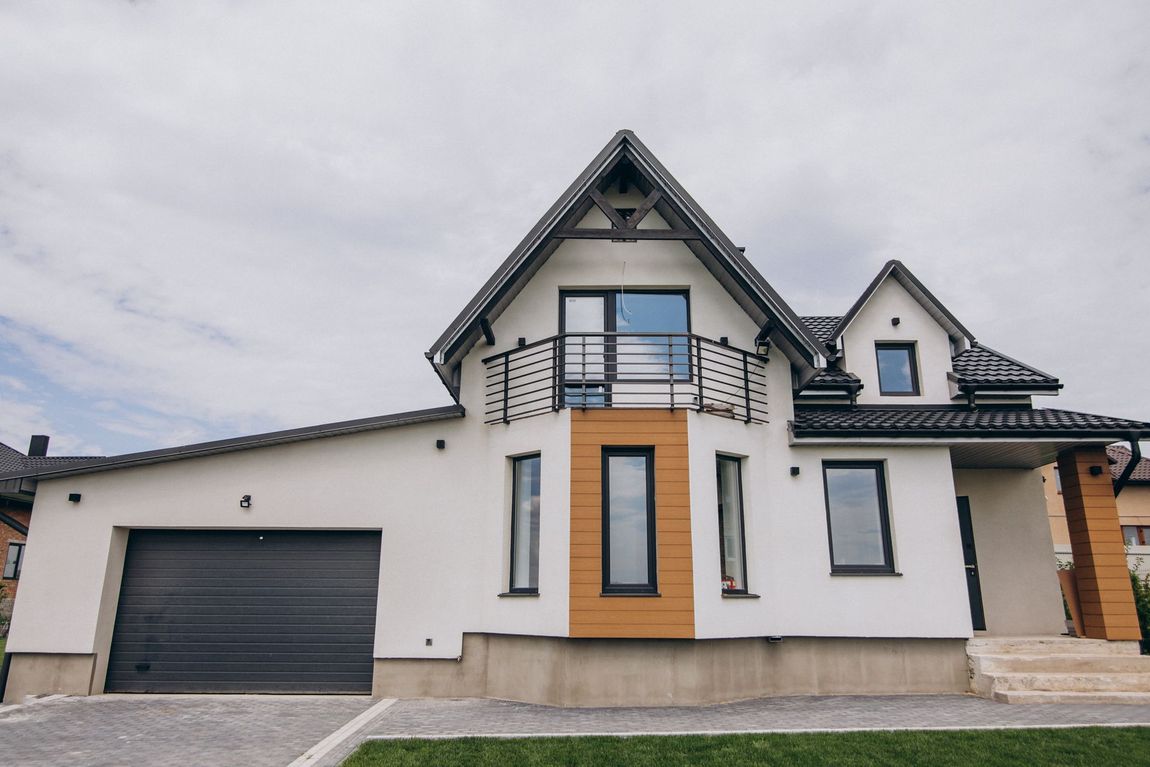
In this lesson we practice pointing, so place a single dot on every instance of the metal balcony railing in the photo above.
(625, 370)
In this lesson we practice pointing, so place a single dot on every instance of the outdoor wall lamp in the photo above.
(1095, 471)
(74, 497)
(245, 501)
(894, 321)
(794, 471)
(440, 444)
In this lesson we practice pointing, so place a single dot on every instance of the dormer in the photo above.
(899, 345)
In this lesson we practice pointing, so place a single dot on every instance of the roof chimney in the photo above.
(39, 445)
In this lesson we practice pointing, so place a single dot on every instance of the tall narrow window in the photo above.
(857, 517)
(525, 525)
(629, 520)
(732, 543)
(897, 369)
(14, 561)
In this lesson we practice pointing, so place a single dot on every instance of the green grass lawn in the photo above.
(1093, 746)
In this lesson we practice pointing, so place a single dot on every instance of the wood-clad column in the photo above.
(1096, 541)
(672, 613)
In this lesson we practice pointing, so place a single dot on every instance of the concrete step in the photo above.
(1048, 646)
(1060, 664)
(1043, 696)
(1069, 682)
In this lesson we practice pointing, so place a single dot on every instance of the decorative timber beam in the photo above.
(488, 333)
(630, 234)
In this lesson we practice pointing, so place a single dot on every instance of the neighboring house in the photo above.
(657, 484)
(1133, 508)
(16, 496)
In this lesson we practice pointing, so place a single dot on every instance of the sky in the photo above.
(223, 218)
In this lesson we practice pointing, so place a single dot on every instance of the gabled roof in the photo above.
(722, 258)
(1120, 457)
(983, 367)
(337, 429)
(896, 269)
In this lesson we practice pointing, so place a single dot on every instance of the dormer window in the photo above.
(897, 369)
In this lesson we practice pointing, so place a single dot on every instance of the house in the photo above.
(655, 484)
(1133, 497)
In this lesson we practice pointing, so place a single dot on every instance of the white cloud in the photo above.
(226, 217)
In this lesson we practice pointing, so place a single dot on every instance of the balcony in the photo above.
(677, 371)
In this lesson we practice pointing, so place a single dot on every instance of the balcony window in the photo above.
(592, 359)
(629, 521)
(525, 525)
(897, 369)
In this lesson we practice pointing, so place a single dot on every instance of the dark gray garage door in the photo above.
(246, 611)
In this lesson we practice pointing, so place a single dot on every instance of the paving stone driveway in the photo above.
(184, 730)
(490, 717)
(259, 730)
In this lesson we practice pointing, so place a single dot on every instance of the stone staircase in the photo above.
(1058, 670)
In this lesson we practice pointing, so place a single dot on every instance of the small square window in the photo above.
(897, 369)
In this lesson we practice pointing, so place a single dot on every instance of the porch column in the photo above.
(1096, 541)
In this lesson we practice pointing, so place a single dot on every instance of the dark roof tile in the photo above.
(983, 365)
(821, 327)
(956, 421)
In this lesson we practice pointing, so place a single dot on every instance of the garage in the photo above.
(256, 611)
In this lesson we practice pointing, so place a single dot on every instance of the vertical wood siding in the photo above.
(672, 614)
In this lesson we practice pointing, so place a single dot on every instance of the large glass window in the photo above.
(732, 543)
(525, 524)
(629, 520)
(599, 347)
(857, 517)
(897, 369)
(14, 560)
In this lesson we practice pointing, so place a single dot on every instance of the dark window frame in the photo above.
(651, 587)
(719, 459)
(912, 360)
(515, 463)
(887, 568)
(610, 298)
(20, 546)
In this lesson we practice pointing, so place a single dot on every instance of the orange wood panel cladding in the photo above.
(672, 614)
(1096, 541)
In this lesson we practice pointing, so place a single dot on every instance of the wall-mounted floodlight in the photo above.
(245, 501)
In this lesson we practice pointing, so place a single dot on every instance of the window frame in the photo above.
(516, 461)
(610, 363)
(719, 459)
(651, 588)
(888, 566)
(20, 546)
(912, 360)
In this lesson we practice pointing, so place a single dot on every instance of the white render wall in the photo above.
(1018, 575)
(873, 323)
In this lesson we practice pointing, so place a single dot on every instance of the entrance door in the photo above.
(970, 560)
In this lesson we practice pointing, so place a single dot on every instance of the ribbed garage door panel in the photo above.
(246, 611)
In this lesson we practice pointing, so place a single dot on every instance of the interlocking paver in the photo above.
(439, 718)
(220, 730)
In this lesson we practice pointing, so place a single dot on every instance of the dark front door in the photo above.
(970, 560)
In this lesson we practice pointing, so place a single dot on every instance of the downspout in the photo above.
(1135, 458)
